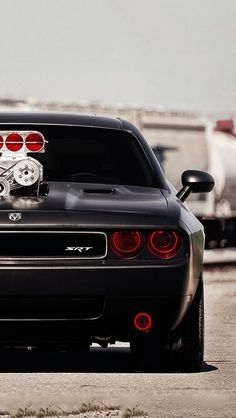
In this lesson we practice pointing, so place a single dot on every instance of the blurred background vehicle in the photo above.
(183, 141)
(225, 139)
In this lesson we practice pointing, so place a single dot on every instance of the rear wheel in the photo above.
(192, 349)
(184, 349)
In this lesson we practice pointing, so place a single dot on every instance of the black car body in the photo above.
(99, 248)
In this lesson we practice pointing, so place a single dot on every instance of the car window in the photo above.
(93, 155)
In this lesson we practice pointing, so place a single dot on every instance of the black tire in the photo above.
(183, 350)
(192, 350)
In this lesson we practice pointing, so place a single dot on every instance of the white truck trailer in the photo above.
(225, 140)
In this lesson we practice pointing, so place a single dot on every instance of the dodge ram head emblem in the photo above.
(15, 216)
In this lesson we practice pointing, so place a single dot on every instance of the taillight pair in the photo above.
(163, 244)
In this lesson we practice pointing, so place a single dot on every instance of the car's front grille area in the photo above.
(50, 308)
(53, 244)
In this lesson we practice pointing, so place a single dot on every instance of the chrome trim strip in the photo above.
(61, 267)
(13, 259)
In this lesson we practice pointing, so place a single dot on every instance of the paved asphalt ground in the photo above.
(108, 375)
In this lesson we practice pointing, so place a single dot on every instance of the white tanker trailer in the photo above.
(184, 143)
(225, 140)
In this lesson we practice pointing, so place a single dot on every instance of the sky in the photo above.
(178, 54)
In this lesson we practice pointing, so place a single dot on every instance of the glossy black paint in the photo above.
(195, 181)
(198, 181)
(165, 288)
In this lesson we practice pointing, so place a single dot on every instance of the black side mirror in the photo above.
(195, 181)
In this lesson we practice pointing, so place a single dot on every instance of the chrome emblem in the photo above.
(15, 216)
(79, 249)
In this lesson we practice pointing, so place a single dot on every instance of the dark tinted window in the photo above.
(93, 155)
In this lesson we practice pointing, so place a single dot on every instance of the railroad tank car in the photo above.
(225, 140)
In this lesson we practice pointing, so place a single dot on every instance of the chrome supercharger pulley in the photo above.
(17, 169)
(26, 172)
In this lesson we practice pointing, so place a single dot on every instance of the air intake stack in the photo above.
(17, 169)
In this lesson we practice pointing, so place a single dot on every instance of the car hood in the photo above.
(87, 205)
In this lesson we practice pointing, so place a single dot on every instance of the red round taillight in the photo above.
(14, 142)
(1, 142)
(164, 244)
(126, 244)
(143, 322)
(34, 142)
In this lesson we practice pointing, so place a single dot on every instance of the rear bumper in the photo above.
(38, 303)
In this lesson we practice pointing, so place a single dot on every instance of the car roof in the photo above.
(59, 118)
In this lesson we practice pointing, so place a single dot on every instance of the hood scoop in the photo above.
(99, 191)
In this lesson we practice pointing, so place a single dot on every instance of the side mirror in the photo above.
(195, 181)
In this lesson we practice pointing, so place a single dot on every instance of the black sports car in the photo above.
(96, 246)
